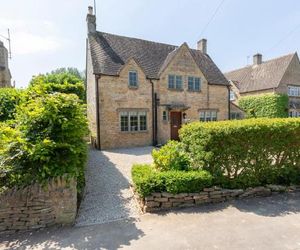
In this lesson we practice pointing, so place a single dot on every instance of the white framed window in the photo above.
(231, 95)
(293, 90)
(294, 113)
(165, 116)
(132, 79)
(235, 116)
(175, 82)
(208, 115)
(133, 121)
(194, 83)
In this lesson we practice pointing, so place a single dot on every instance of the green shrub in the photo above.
(246, 153)
(171, 157)
(9, 99)
(148, 180)
(50, 142)
(265, 105)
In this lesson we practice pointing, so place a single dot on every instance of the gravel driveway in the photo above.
(108, 196)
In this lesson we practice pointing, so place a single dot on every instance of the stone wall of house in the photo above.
(164, 201)
(211, 97)
(91, 96)
(38, 206)
(116, 96)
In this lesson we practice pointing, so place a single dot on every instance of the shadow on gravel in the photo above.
(272, 206)
(114, 235)
(138, 151)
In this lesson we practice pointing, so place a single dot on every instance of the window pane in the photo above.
(164, 115)
(178, 82)
(208, 116)
(133, 122)
(132, 78)
(232, 95)
(143, 122)
(202, 116)
(191, 83)
(124, 123)
(171, 81)
(197, 84)
(213, 115)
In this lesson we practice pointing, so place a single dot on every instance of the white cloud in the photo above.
(33, 36)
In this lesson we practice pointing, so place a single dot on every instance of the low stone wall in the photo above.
(38, 206)
(164, 201)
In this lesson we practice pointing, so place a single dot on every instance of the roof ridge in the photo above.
(140, 39)
(264, 62)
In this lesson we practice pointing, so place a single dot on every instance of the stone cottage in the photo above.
(141, 92)
(5, 76)
(279, 75)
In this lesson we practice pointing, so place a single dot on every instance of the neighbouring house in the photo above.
(5, 76)
(279, 75)
(141, 92)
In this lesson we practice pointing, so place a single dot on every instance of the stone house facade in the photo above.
(280, 75)
(141, 92)
(5, 76)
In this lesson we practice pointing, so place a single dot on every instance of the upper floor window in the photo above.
(133, 121)
(207, 116)
(232, 95)
(194, 83)
(293, 91)
(132, 79)
(175, 82)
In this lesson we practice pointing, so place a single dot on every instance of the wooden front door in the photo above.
(175, 125)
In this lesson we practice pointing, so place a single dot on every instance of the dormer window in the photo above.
(132, 79)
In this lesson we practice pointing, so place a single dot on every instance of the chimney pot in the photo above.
(257, 59)
(202, 46)
(90, 10)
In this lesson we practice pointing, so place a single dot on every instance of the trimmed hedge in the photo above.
(246, 153)
(147, 180)
(265, 105)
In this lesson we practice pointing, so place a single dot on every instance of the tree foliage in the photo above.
(9, 99)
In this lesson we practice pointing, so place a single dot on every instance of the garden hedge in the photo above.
(245, 153)
(265, 105)
(147, 180)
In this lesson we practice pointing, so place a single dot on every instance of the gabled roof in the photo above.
(110, 52)
(266, 75)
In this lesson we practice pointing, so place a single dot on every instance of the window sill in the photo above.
(177, 90)
(134, 132)
(194, 91)
(133, 87)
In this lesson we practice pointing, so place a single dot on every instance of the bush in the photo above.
(246, 152)
(147, 180)
(50, 142)
(171, 157)
(9, 99)
(265, 105)
(58, 82)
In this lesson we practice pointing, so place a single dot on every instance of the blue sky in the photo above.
(49, 34)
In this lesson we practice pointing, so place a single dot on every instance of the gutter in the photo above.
(98, 139)
(228, 102)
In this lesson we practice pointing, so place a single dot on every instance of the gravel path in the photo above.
(108, 196)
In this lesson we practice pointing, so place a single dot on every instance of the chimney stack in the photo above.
(91, 20)
(202, 46)
(257, 59)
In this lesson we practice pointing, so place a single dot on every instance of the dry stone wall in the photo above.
(164, 201)
(38, 206)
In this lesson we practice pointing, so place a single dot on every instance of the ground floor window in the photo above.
(165, 116)
(294, 113)
(208, 115)
(133, 121)
(235, 116)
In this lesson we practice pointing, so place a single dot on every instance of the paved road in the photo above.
(108, 196)
(271, 223)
